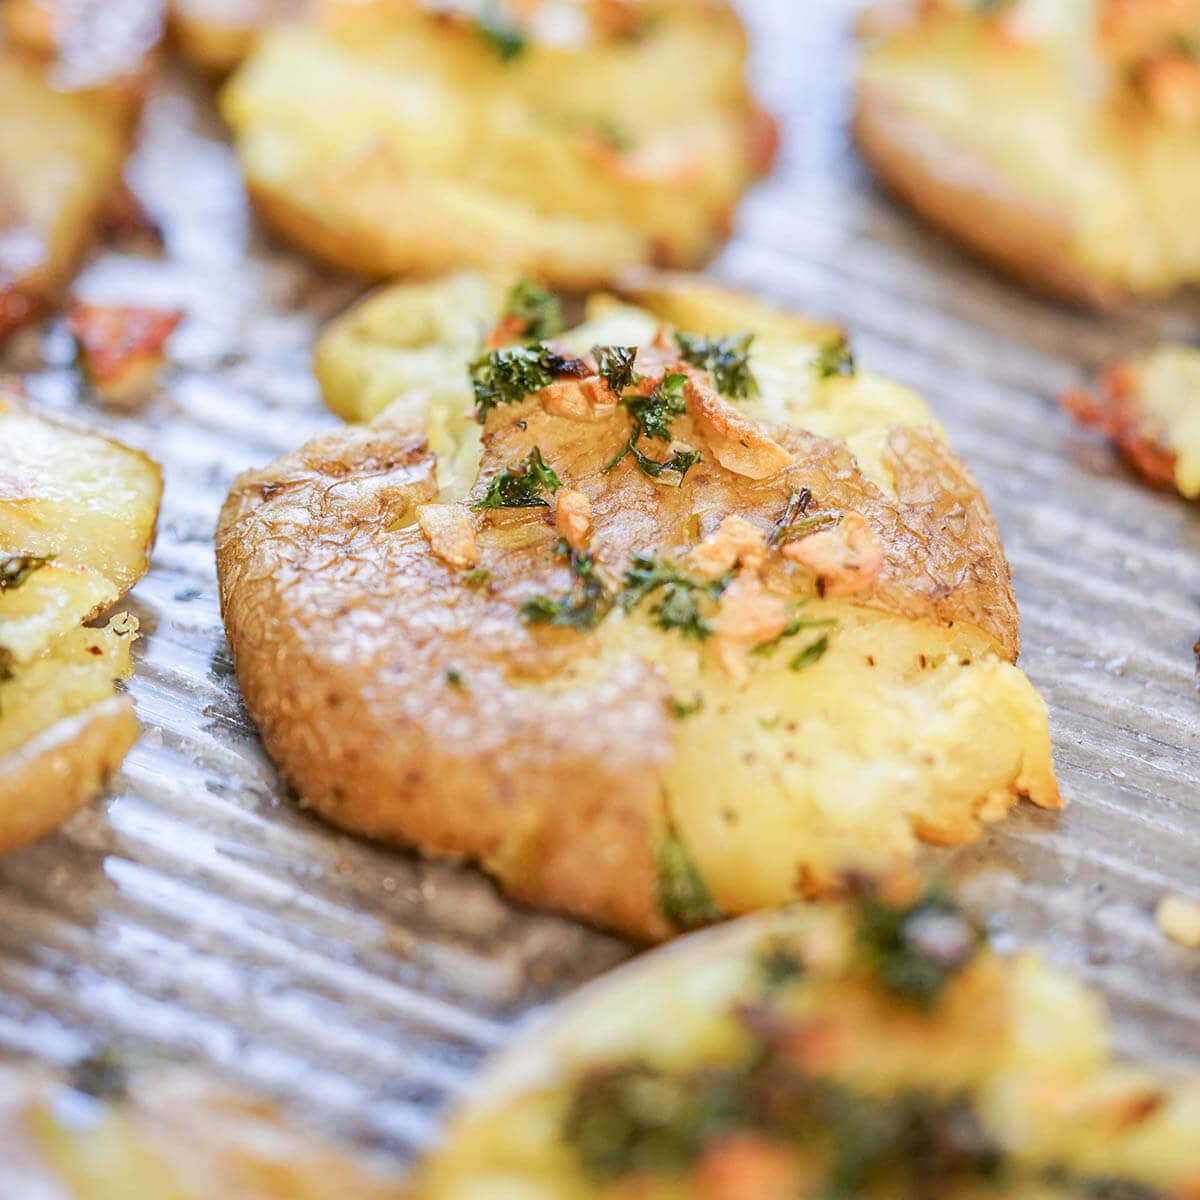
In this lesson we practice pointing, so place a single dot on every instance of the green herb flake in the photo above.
(454, 678)
(504, 39)
(508, 375)
(835, 360)
(16, 570)
(652, 417)
(812, 653)
(794, 626)
(778, 966)
(683, 897)
(727, 359)
(681, 711)
(477, 577)
(521, 486)
(614, 136)
(537, 310)
(682, 594)
(915, 951)
(583, 607)
(616, 365)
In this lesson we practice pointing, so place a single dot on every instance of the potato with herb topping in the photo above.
(657, 624)
(871, 1050)
(564, 138)
(108, 1131)
(1060, 141)
(77, 520)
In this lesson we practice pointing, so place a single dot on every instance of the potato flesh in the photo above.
(51, 602)
(61, 155)
(800, 776)
(1167, 384)
(493, 163)
(1026, 1040)
(79, 498)
(76, 672)
(1124, 186)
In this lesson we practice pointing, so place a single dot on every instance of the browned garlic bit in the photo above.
(738, 444)
(450, 533)
(846, 558)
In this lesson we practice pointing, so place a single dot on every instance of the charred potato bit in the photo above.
(1150, 409)
(877, 1048)
(120, 348)
(822, 733)
(71, 78)
(1059, 141)
(527, 136)
(159, 1135)
(77, 517)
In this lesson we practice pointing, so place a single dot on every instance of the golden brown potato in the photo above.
(71, 77)
(164, 1135)
(1150, 408)
(218, 34)
(570, 141)
(1059, 141)
(77, 518)
(646, 678)
(871, 1050)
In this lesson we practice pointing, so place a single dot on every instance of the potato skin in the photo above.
(403, 703)
(51, 777)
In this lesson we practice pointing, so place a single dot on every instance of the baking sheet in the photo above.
(201, 915)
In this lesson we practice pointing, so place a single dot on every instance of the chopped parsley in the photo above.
(652, 417)
(507, 376)
(506, 40)
(537, 311)
(683, 897)
(794, 626)
(680, 711)
(797, 522)
(915, 951)
(682, 594)
(521, 486)
(15, 570)
(583, 607)
(615, 365)
(614, 136)
(812, 653)
(779, 965)
(727, 359)
(454, 678)
(477, 577)
(835, 360)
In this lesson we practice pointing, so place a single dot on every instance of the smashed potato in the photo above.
(164, 1135)
(218, 34)
(621, 676)
(875, 1049)
(1062, 142)
(567, 140)
(77, 519)
(1150, 408)
(71, 78)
